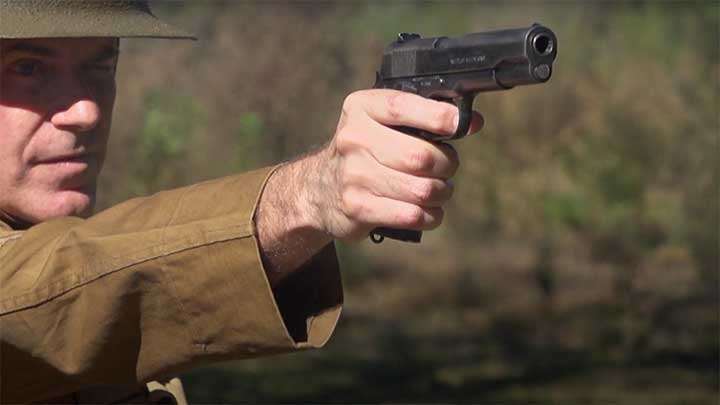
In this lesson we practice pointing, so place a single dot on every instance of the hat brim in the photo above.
(32, 19)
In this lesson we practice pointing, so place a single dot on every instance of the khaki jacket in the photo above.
(148, 289)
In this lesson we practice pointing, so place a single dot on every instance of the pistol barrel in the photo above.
(449, 67)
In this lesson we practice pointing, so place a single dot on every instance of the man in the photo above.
(92, 306)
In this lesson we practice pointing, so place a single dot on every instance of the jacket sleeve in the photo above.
(149, 288)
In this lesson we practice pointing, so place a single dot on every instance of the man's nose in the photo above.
(78, 110)
(81, 114)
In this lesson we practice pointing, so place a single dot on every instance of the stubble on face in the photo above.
(56, 101)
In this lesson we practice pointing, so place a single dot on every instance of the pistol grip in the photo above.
(464, 104)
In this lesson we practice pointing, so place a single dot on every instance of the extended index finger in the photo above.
(397, 108)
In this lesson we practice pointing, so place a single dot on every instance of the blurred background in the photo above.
(578, 262)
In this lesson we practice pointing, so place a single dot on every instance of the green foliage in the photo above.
(565, 209)
(168, 125)
(249, 140)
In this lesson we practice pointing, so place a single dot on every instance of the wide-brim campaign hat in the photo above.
(83, 18)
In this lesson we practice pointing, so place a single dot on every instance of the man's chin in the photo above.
(76, 203)
(65, 203)
(34, 208)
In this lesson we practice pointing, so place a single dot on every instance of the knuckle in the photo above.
(350, 102)
(353, 104)
(347, 180)
(424, 191)
(355, 177)
(394, 103)
(351, 205)
(420, 161)
(412, 217)
(343, 137)
(349, 138)
(444, 121)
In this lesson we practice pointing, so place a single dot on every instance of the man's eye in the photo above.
(27, 68)
(102, 68)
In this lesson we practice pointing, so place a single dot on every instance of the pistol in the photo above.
(456, 69)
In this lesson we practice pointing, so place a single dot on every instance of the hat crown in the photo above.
(82, 18)
(37, 5)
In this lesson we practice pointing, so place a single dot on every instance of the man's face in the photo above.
(56, 101)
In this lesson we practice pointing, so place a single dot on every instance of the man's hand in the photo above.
(369, 175)
(383, 177)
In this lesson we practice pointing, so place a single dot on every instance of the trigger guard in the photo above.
(464, 105)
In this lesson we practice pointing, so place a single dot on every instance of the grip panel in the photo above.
(377, 235)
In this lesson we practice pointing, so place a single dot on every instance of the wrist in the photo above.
(288, 222)
(315, 183)
(287, 194)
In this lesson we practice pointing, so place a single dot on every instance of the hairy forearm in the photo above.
(289, 230)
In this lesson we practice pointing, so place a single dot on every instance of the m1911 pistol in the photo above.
(456, 69)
